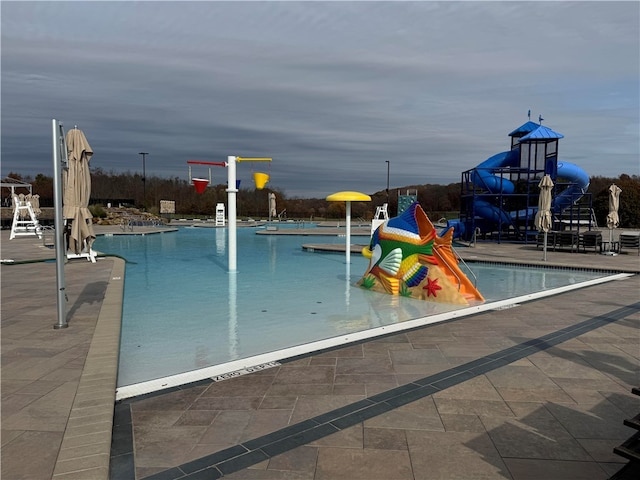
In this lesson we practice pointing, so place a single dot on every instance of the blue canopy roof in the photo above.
(524, 129)
(542, 133)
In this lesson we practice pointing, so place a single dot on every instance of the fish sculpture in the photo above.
(406, 257)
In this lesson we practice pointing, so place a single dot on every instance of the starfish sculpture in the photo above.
(432, 287)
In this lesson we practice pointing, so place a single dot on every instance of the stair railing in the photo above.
(475, 278)
(458, 279)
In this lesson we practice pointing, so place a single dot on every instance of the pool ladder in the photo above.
(466, 265)
(475, 279)
(48, 236)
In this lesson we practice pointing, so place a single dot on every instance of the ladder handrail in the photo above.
(454, 273)
(460, 259)
(593, 218)
(475, 279)
(48, 229)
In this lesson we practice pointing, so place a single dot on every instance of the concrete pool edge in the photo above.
(91, 415)
(173, 381)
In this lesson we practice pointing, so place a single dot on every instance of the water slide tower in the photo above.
(499, 197)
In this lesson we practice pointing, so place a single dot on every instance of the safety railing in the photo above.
(466, 265)
(451, 270)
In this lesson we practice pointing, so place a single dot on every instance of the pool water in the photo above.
(183, 311)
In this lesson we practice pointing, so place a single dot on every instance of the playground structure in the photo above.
(499, 198)
(233, 185)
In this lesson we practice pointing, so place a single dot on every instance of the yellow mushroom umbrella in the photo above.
(348, 197)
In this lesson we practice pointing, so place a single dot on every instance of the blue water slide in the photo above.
(579, 185)
(490, 212)
(483, 174)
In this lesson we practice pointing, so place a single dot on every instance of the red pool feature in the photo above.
(200, 184)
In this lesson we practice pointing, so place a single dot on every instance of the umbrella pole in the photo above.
(611, 251)
(59, 223)
(611, 239)
(347, 291)
(544, 249)
(348, 239)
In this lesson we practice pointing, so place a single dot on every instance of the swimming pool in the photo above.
(184, 312)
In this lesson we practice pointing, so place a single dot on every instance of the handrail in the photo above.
(45, 230)
(453, 272)
(475, 279)
(474, 238)
(126, 222)
(460, 259)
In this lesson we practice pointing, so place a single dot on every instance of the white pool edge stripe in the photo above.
(150, 386)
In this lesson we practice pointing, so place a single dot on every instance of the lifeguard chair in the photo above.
(25, 220)
(220, 218)
(379, 218)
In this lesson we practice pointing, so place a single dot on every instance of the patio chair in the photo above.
(568, 238)
(590, 239)
(630, 240)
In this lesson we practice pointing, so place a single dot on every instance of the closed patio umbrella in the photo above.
(612, 218)
(543, 215)
(77, 191)
(273, 213)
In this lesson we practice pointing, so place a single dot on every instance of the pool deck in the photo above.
(536, 391)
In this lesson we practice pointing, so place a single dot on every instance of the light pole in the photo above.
(144, 179)
(387, 183)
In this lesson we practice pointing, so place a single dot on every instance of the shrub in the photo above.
(97, 211)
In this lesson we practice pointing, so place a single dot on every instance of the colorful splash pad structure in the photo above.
(200, 185)
(408, 258)
(500, 196)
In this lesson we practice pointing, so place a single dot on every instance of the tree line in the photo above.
(437, 200)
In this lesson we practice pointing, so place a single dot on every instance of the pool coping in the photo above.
(94, 400)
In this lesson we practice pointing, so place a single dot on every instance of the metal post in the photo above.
(347, 289)
(233, 316)
(387, 184)
(231, 200)
(144, 180)
(59, 162)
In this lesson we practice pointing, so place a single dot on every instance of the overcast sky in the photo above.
(330, 90)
